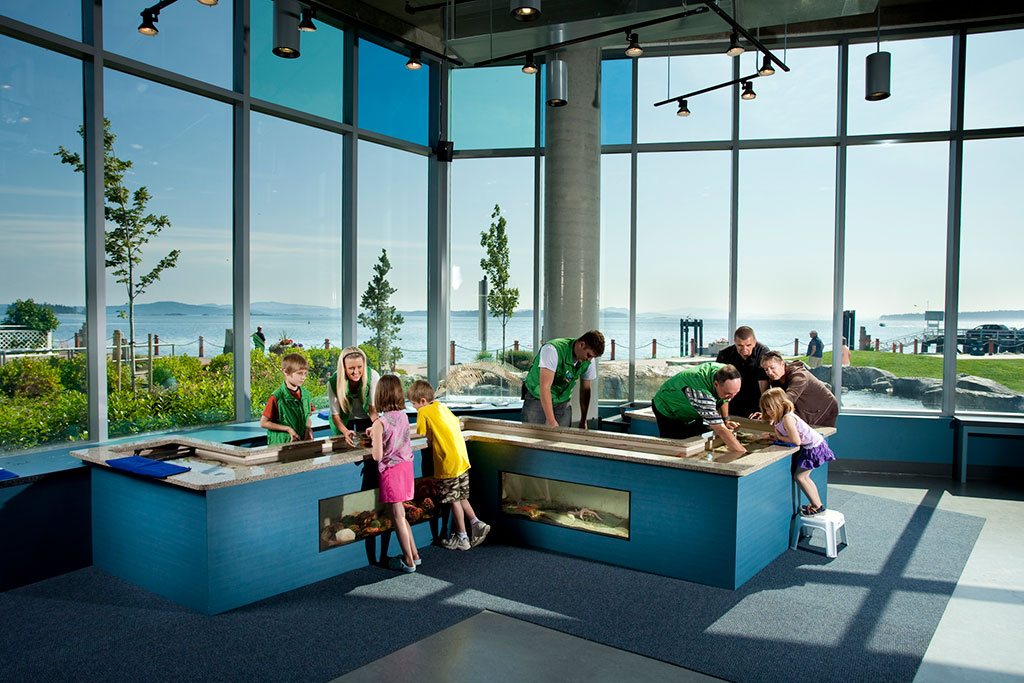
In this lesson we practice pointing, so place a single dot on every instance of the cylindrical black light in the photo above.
(524, 10)
(558, 82)
(876, 78)
(286, 28)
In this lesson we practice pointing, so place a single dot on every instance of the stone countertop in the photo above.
(209, 472)
(646, 450)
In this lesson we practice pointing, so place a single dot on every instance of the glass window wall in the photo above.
(895, 271)
(492, 108)
(177, 191)
(798, 103)
(392, 239)
(295, 253)
(393, 100)
(615, 260)
(682, 256)
(43, 392)
(662, 77)
(994, 64)
(990, 319)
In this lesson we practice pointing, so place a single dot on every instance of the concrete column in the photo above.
(572, 202)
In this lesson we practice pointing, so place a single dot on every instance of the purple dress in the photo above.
(814, 451)
(395, 466)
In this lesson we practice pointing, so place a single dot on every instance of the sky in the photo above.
(180, 146)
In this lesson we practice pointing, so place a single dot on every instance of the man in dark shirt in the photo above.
(745, 354)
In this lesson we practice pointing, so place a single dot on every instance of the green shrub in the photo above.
(224, 364)
(372, 357)
(72, 372)
(29, 378)
(484, 355)
(522, 360)
(322, 362)
(183, 368)
(27, 423)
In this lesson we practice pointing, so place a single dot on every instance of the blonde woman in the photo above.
(351, 390)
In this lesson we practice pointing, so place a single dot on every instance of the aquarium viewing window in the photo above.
(351, 517)
(565, 504)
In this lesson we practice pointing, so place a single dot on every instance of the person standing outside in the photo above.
(690, 403)
(556, 368)
(815, 349)
(745, 355)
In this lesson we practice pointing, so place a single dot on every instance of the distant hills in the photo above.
(961, 314)
(277, 308)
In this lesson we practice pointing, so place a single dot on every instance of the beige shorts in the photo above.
(455, 488)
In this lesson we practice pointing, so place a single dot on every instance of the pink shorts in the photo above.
(396, 483)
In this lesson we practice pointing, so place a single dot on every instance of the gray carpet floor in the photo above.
(867, 615)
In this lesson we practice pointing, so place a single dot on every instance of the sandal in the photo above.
(810, 510)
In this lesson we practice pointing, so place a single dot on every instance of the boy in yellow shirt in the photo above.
(451, 464)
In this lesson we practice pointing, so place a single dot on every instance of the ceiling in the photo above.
(481, 30)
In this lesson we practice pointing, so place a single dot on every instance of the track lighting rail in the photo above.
(680, 98)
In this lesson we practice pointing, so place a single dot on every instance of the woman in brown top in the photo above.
(813, 400)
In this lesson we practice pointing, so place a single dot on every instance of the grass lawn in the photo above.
(1008, 372)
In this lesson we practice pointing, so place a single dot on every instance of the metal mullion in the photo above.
(839, 239)
(633, 159)
(95, 225)
(297, 116)
(350, 193)
(170, 78)
(734, 202)
(953, 216)
(240, 242)
(395, 143)
(993, 133)
(438, 231)
(496, 153)
(47, 40)
(537, 209)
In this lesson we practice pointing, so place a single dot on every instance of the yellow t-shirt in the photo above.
(445, 435)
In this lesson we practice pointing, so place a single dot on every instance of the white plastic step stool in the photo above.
(832, 522)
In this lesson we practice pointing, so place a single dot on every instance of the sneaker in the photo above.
(455, 542)
(480, 532)
(398, 564)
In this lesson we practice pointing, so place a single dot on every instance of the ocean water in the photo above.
(180, 333)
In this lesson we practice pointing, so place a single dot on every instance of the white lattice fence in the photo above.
(15, 337)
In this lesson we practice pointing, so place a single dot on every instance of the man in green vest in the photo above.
(690, 403)
(286, 417)
(556, 368)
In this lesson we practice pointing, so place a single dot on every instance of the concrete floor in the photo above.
(978, 637)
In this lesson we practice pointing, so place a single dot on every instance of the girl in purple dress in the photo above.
(778, 409)
(393, 453)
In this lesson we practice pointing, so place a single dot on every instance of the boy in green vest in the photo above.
(286, 417)
(556, 368)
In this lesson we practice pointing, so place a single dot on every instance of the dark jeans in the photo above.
(671, 428)
(533, 412)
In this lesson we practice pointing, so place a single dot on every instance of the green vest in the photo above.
(291, 412)
(672, 402)
(333, 381)
(565, 375)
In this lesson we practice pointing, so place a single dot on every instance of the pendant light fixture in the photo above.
(148, 25)
(558, 82)
(748, 91)
(286, 29)
(414, 63)
(735, 49)
(683, 109)
(306, 23)
(524, 10)
(530, 66)
(878, 68)
(634, 49)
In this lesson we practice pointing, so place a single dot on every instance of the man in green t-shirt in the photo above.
(556, 368)
(690, 403)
